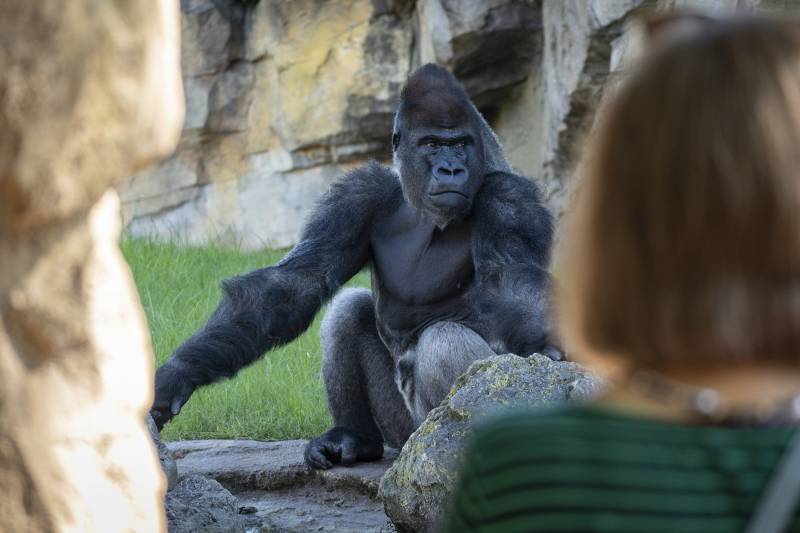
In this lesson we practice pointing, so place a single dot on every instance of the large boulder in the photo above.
(90, 92)
(415, 489)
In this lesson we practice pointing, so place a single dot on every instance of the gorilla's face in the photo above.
(441, 168)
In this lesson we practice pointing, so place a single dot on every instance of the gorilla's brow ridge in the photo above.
(456, 138)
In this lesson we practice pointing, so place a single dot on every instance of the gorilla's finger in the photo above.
(159, 419)
(315, 458)
(349, 454)
(319, 462)
(175, 406)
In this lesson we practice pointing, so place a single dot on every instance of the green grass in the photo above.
(279, 397)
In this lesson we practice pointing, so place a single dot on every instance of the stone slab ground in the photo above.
(273, 490)
(278, 493)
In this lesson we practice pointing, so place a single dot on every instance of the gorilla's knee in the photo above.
(449, 342)
(444, 351)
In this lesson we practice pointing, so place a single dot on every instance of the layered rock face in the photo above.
(283, 97)
(90, 92)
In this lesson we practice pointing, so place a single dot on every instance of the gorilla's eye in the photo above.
(432, 144)
(458, 144)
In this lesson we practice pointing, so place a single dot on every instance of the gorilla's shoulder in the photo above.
(364, 189)
(509, 188)
(372, 182)
(510, 206)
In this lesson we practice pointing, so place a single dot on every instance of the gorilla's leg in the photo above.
(358, 371)
(426, 373)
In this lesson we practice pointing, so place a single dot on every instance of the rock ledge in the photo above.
(277, 492)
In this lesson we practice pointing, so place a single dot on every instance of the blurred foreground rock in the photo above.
(416, 488)
(283, 97)
(90, 91)
(165, 458)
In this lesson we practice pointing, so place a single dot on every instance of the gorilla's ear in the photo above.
(395, 141)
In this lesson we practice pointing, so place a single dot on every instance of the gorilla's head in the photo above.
(442, 146)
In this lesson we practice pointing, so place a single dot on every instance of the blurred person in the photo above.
(680, 282)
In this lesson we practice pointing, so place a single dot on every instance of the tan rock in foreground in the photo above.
(90, 92)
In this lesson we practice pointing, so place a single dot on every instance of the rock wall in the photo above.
(283, 97)
(90, 92)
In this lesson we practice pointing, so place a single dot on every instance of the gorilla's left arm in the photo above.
(512, 240)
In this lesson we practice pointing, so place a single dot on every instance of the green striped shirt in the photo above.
(592, 469)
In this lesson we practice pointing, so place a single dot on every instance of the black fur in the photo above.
(458, 247)
(512, 243)
(272, 306)
(431, 98)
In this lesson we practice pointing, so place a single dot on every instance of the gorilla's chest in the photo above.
(417, 263)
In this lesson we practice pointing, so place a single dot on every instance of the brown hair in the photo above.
(685, 239)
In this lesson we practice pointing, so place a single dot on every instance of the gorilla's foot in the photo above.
(341, 446)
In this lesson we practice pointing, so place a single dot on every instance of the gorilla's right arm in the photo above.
(271, 306)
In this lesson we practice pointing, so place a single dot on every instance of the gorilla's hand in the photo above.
(173, 389)
(340, 446)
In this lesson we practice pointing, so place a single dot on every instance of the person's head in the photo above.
(684, 243)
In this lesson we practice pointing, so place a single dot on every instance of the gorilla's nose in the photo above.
(450, 173)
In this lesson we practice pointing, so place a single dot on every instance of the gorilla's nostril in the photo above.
(449, 171)
(443, 171)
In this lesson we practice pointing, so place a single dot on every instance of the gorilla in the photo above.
(458, 247)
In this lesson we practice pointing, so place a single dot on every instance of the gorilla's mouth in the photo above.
(443, 193)
(455, 201)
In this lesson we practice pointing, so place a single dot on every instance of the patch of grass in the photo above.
(279, 397)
